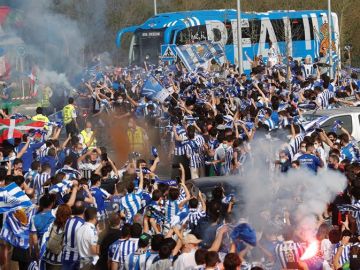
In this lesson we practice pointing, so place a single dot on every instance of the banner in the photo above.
(12, 198)
(152, 89)
(200, 54)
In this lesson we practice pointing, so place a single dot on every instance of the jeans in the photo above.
(70, 265)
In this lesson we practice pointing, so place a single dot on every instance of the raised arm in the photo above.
(154, 165)
(113, 167)
(141, 178)
(202, 201)
(24, 149)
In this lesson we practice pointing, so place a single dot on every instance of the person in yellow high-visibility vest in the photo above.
(40, 116)
(87, 136)
(69, 118)
(136, 136)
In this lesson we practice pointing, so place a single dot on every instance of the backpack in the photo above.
(354, 257)
(55, 242)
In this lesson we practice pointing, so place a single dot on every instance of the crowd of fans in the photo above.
(90, 213)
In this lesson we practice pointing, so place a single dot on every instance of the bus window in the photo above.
(279, 29)
(311, 30)
(192, 34)
(245, 33)
(297, 29)
(255, 29)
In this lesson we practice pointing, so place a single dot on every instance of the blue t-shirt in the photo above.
(51, 161)
(310, 161)
(100, 196)
(349, 152)
(28, 156)
(42, 222)
(275, 117)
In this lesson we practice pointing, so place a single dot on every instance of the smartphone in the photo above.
(176, 166)
(104, 157)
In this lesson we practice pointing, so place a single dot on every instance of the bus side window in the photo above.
(254, 30)
(194, 33)
(279, 29)
(297, 29)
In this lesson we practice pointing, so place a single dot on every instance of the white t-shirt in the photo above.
(86, 236)
(327, 249)
(185, 261)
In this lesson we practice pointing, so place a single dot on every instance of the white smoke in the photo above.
(268, 194)
(47, 77)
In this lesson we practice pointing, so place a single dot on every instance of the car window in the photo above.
(345, 121)
(311, 117)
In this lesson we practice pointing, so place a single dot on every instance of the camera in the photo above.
(134, 155)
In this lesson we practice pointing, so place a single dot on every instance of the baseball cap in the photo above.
(191, 239)
(144, 239)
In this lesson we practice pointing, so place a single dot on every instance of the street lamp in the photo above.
(330, 40)
(155, 7)
(239, 38)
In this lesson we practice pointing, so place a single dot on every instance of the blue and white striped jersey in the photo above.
(228, 160)
(33, 266)
(70, 251)
(349, 152)
(294, 144)
(213, 144)
(270, 123)
(137, 260)
(195, 152)
(289, 253)
(171, 209)
(48, 256)
(42, 151)
(147, 259)
(344, 257)
(323, 98)
(130, 204)
(195, 214)
(307, 70)
(100, 196)
(38, 183)
(70, 173)
(30, 176)
(179, 149)
(122, 249)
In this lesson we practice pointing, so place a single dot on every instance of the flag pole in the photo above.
(330, 40)
(155, 7)
(239, 38)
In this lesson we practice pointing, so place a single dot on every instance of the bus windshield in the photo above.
(146, 45)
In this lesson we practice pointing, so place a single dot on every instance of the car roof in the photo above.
(342, 110)
(214, 180)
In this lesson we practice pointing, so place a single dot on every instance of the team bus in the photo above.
(294, 33)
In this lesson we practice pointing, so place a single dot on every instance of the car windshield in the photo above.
(311, 117)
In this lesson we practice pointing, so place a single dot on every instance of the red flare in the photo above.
(311, 251)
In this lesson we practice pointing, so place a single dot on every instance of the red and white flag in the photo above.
(15, 128)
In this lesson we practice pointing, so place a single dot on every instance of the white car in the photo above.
(325, 119)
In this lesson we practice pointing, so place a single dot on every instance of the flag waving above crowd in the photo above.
(15, 128)
(12, 198)
(152, 89)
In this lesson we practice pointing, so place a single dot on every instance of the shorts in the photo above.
(71, 128)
